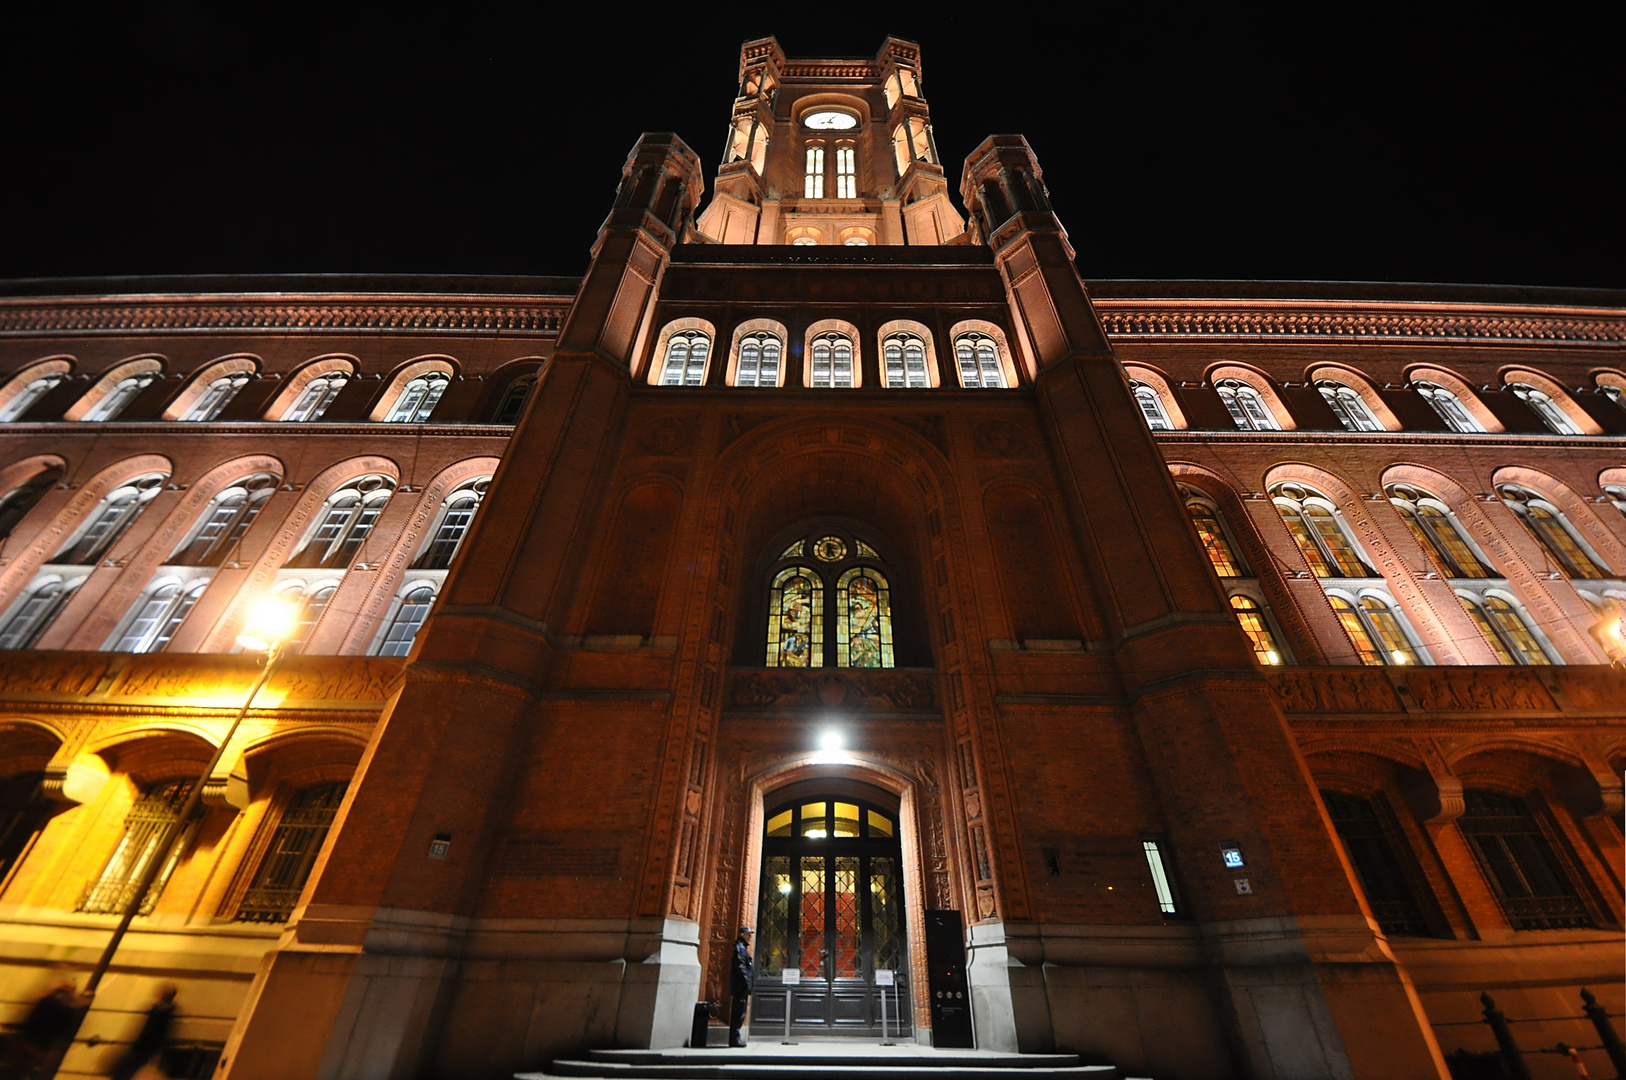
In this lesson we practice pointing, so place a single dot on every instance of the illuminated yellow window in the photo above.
(1252, 620)
(1350, 619)
(1215, 545)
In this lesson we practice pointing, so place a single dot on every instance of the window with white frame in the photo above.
(315, 398)
(116, 512)
(312, 603)
(30, 395)
(1246, 406)
(1348, 405)
(1542, 404)
(1615, 493)
(758, 360)
(1319, 530)
(978, 358)
(456, 515)
(1614, 394)
(1378, 635)
(846, 172)
(813, 176)
(418, 398)
(410, 612)
(685, 360)
(30, 618)
(1553, 530)
(119, 397)
(1449, 408)
(513, 400)
(345, 522)
(1439, 532)
(158, 616)
(905, 358)
(222, 525)
(1151, 406)
(1503, 626)
(214, 399)
(832, 360)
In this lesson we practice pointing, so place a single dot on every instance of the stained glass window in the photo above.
(1487, 630)
(795, 619)
(1436, 530)
(1350, 619)
(1252, 619)
(1318, 533)
(794, 551)
(1215, 545)
(830, 549)
(1550, 527)
(863, 619)
(866, 552)
(1397, 646)
(1515, 632)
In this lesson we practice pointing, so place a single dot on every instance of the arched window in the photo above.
(1216, 543)
(119, 397)
(409, 618)
(1614, 394)
(456, 514)
(805, 240)
(291, 854)
(1348, 405)
(24, 811)
(346, 519)
(1438, 531)
(1251, 617)
(117, 510)
(513, 400)
(35, 614)
(1373, 629)
(1151, 406)
(1247, 408)
(685, 363)
(1504, 630)
(315, 398)
(813, 175)
(1449, 407)
(905, 357)
(213, 401)
(30, 395)
(418, 398)
(16, 503)
(1317, 528)
(759, 360)
(1548, 525)
(978, 358)
(1366, 841)
(832, 361)
(1546, 408)
(1613, 492)
(222, 526)
(1518, 863)
(829, 589)
(159, 616)
(846, 173)
(145, 827)
(310, 613)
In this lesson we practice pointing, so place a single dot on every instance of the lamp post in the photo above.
(270, 622)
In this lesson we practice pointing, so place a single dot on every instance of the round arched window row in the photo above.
(1151, 406)
(978, 358)
(1317, 528)
(1246, 406)
(685, 360)
(1553, 531)
(159, 616)
(1374, 630)
(221, 528)
(1211, 533)
(117, 399)
(832, 361)
(418, 399)
(1448, 407)
(759, 360)
(30, 395)
(1438, 532)
(905, 358)
(456, 515)
(513, 400)
(216, 396)
(315, 398)
(1347, 404)
(1548, 410)
(1250, 615)
(410, 614)
(115, 513)
(829, 604)
(346, 521)
(1504, 629)
(16, 503)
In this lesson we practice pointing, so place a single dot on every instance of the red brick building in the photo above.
(1233, 658)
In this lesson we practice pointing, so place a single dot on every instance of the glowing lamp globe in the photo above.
(271, 621)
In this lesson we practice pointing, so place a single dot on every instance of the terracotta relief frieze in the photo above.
(118, 680)
(864, 692)
(1450, 689)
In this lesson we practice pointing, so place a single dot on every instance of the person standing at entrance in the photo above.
(739, 986)
(151, 1038)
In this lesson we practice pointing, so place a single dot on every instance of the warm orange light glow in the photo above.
(270, 621)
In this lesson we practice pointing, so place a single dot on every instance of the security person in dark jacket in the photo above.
(739, 986)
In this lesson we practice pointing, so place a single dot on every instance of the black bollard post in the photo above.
(1606, 1031)
(1512, 1056)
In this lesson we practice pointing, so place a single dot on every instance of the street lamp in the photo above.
(270, 622)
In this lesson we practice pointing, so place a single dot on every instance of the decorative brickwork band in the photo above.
(331, 314)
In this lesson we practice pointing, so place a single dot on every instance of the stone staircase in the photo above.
(825, 1061)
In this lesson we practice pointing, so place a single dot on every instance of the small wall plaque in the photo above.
(883, 977)
(1232, 857)
(791, 976)
(440, 845)
(1243, 888)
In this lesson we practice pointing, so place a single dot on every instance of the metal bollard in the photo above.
(1512, 1056)
(1606, 1031)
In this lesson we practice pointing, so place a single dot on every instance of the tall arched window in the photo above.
(144, 829)
(1513, 852)
(905, 358)
(813, 174)
(832, 361)
(409, 618)
(846, 172)
(1348, 405)
(213, 401)
(1449, 407)
(311, 606)
(1151, 406)
(1504, 630)
(513, 400)
(1377, 869)
(315, 398)
(115, 513)
(1546, 408)
(829, 604)
(1373, 629)
(685, 362)
(16, 503)
(34, 615)
(759, 360)
(1246, 406)
(159, 616)
(978, 359)
(456, 515)
(30, 395)
(119, 397)
(418, 398)
(345, 522)
(222, 526)
(1552, 529)
(291, 854)
(1216, 543)
(1251, 617)
(1317, 528)
(1438, 531)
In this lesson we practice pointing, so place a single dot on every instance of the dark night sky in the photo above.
(1352, 147)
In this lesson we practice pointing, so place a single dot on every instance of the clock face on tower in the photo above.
(829, 120)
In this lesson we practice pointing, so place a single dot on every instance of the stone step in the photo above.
(851, 1062)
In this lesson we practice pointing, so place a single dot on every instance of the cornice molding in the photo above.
(286, 312)
(1275, 320)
